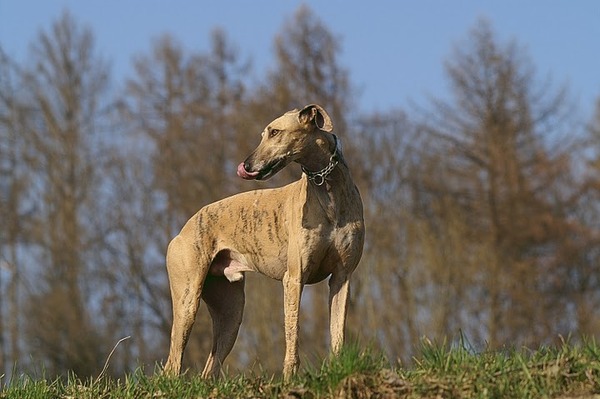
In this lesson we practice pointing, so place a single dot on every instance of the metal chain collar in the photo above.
(318, 178)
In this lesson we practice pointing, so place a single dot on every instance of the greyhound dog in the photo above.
(299, 234)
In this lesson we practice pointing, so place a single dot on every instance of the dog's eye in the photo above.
(274, 132)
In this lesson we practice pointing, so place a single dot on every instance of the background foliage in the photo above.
(481, 208)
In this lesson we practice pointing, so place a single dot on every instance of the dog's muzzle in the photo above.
(244, 174)
(265, 172)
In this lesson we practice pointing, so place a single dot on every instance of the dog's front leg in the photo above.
(292, 291)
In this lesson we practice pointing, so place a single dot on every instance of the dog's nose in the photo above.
(244, 174)
(247, 166)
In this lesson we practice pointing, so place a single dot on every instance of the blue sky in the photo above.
(394, 49)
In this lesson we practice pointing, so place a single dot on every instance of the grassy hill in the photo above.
(441, 371)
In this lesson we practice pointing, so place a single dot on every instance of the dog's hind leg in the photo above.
(186, 276)
(225, 302)
(338, 305)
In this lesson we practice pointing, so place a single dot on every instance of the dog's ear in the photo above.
(316, 114)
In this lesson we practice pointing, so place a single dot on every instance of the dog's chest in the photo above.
(329, 248)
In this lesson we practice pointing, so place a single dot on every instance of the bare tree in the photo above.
(184, 106)
(385, 296)
(507, 174)
(12, 186)
(308, 68)
(583, 279)
(56, 113)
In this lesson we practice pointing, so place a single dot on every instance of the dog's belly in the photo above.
(232, 265)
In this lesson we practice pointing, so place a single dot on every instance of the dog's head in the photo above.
(286, 139)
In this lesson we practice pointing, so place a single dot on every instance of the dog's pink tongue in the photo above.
(241, 172)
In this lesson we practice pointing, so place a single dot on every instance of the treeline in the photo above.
(482, 208)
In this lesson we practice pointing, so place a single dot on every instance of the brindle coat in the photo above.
(299, 234)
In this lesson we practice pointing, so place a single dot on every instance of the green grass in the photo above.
(441, 371)
(568, 370)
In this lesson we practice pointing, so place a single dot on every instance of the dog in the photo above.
(299, 234)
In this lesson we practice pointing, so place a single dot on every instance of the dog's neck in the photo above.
(318, 177)
(337, 186)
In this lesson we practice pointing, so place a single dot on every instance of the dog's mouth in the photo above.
(244, 174)
(265, 173)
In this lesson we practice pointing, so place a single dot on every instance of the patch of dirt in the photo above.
(385, 384)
